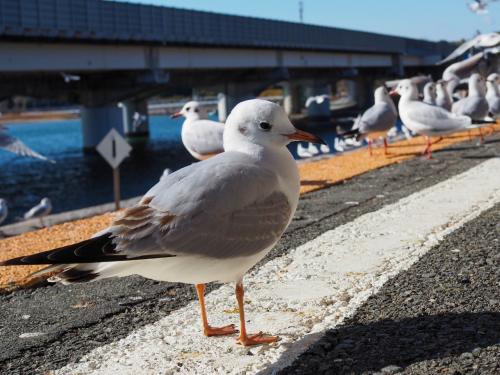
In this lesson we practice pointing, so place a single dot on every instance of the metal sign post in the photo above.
(114, 148)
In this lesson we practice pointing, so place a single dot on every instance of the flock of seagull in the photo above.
(215, 219)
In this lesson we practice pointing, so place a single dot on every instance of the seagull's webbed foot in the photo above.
(220, 331)
(257, 339)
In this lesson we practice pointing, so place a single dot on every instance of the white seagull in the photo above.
(426, 119)
(210, 221)
(430, 93)
(4, 210)
(41, 210)
(443, 98)
(474, 104)
(201, 137)
(16, 146)
(380, 117)
(493, 95)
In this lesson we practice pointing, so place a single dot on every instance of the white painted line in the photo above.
(304, 292)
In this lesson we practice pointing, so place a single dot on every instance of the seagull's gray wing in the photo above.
(435, 118)
(460, 50)
(205, 137)
(226, 206)
(494, 106)
(379, 117)
(473, 106)
(14, 145)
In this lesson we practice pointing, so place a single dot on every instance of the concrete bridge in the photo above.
(126, 53)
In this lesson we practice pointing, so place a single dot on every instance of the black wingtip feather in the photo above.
(94, 250)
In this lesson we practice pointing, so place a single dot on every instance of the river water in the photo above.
(78, 180)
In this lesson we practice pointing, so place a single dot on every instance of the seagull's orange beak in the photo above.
(393, 93)
(300, 135)
(176, 114)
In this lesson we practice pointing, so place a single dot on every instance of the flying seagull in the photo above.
(13, 144)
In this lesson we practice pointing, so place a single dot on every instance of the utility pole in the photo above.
(301, 11)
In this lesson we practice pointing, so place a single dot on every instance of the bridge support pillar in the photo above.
(135, 120)
(291, 98)
(232, 95)
(97, 122)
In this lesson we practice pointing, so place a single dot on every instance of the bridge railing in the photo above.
(110, 21)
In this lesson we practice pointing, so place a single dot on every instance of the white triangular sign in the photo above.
(113, 148)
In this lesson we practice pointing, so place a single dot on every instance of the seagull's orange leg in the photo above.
(370, 146)
(244, 339)
(385, 146)
(207, 330)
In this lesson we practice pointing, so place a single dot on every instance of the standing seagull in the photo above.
(493, 95)
(12, 144)
(443, 98)
(475, 104)
(4, 211)
(201, 137)
(382, 116)
(210, 221)
(425, 119)
(430, 93)
(42, 209)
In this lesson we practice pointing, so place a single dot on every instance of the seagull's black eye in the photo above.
(188, 108)
(265, 126)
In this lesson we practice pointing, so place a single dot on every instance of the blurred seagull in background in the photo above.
(210, 221)
(303, 152)
(42, 209)
(443, 98)
(200, 136)
(380, 117)
(13, 144)
(69, 77)
(430, 93)
(474, 105)
(425, 119)
(493, 95)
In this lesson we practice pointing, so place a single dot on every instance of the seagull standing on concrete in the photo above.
(201, 137)
(4, 210)
(425, 119)
(210, 221)
(474, 104)
(380, 117)
(443, 98)
(42, 209)
(430, 94)
(493, 95)
(13, 144)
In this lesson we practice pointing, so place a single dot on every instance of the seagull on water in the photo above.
(426, 119)
(210, 221)
(201, 137)
(42, 209)
(13, 144)
(380, 117)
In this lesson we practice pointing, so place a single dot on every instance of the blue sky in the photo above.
(427, 19)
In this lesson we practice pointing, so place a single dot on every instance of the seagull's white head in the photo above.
(192, 110)
(262, 123)
(45, 201)
(381, 95)
(477, 84)
(406, 89)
